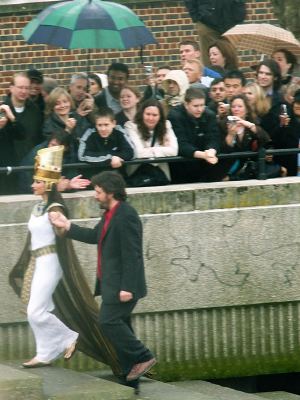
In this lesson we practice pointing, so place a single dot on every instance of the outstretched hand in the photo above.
(79, 183)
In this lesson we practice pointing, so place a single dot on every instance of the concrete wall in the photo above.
(222, 265)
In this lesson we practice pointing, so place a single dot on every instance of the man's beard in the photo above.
(103, 206)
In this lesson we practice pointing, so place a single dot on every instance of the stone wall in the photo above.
(223, 272)
(168, 20)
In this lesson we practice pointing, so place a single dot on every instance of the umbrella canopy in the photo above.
(264, 38)
(88, 24)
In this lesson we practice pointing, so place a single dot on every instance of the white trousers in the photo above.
(52, 337)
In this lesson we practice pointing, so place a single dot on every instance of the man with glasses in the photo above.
(27, 119)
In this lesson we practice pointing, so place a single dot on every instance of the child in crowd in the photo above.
(104, 145)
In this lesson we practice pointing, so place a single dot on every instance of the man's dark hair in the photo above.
(194, 93)
(62, 138)
(120, 67)
(235, 74)
(190, 42)
(104, 112)
(275, 71)
(289, 56)
(216, 81)
(97, 79)
(35, 75)
(112, 183)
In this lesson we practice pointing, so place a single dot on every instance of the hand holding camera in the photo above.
(6, 115)
(149, 75)
(284, 118)
(86, 106)
(223, 108)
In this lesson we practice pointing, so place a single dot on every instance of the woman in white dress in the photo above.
(53, 338)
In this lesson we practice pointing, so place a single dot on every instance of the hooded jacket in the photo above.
(182, 81)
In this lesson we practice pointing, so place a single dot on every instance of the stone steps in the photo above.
(225, 393)
(18, 385)
(279, 396)
(216, 392)
(53, 383)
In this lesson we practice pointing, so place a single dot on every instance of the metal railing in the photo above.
(259, 156)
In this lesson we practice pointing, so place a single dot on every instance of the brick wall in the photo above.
(168, 20)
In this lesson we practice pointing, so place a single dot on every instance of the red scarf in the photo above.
(107, 218)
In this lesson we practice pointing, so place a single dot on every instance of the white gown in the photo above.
(51, 335)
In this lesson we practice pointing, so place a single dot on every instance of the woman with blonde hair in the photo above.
(60, 115)
(257, 100)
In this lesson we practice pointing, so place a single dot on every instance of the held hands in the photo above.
(125, 296)
(116, 162)
(59, 220)
(210, 156)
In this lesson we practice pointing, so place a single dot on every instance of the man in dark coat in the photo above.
(120, 270)
(28, 117)
(198, 138)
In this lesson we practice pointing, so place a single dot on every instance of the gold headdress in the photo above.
(48, 164)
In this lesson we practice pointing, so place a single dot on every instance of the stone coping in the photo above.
(169, 199)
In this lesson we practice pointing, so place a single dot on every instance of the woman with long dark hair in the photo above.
(152, 135)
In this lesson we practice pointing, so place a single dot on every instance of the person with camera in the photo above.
(154, 82)
(240, 133)
(28, 119)
(287, 135)
(78, 89)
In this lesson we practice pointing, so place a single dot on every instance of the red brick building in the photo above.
(168, 20)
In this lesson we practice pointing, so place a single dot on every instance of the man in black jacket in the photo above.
(120, 270)
(198, 138)
(28, 118)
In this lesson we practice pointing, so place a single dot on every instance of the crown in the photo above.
(48, 164)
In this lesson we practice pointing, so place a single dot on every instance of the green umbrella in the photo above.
(88, 24)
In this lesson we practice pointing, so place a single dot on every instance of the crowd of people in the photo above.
(195, 111)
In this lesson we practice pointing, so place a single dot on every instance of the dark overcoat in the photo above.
(122, 263)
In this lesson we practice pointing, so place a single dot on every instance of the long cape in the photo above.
(74, 302)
